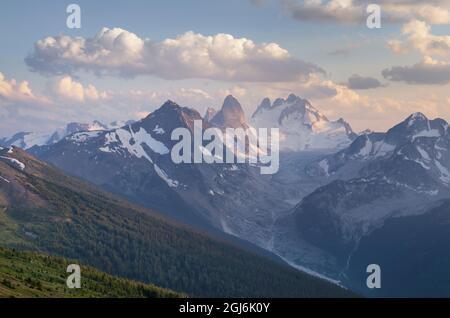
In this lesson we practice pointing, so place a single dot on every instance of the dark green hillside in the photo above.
(28, 274)
(43, 209)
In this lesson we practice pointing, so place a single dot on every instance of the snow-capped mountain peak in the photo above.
(415, 147)
(416, 117)
(301, 125)
(415, 126)
(169, 117)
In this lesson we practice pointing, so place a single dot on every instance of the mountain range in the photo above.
(43, 209)
(27, 140)
(135, 161)
(379, 180)
(339, 202)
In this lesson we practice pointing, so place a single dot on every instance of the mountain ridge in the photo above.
(27, 140)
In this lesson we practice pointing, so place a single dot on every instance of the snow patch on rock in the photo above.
(83, 136)
(163, 175)
(16, 163)
(4, 179)
(158, 130)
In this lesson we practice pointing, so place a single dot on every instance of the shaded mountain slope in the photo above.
(43, 209)
(413, 253)
(379, 207)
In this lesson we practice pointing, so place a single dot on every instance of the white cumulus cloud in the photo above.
(67, 88)
(190, 55)
(12, 91)
(418, 37)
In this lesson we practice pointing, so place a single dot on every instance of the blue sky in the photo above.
(163, 19)
(339, 46)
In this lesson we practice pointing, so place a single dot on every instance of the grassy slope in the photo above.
(28, 274)
(45, 210)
